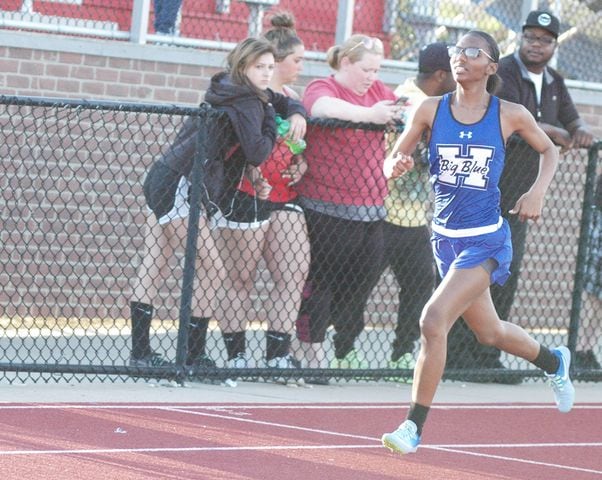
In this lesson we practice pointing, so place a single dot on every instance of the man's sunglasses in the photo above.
(545, 40)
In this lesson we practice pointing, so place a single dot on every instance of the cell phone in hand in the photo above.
(401, 100)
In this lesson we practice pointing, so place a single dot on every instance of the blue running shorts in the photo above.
(469, 252)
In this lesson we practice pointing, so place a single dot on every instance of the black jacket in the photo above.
(250, 134)
(556, 108)
(245, 132)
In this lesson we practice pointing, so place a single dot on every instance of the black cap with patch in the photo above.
(543, 19)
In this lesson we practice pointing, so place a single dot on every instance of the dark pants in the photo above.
(409, 253)
(463, 346)
(166, 14)
(345, 259)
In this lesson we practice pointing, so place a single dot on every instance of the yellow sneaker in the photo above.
(405, 362)
(352, 360)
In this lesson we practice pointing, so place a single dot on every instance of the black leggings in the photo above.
(409, 253)
(345, 265)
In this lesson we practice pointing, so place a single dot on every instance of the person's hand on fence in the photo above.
(582, 138)
(295, 170)
(560, 137)
(260, 184)
(262, 188)
(298, 127)
(385, 111)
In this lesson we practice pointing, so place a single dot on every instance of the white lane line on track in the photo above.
(191, 410)
(88, 451)
(272, 424)
(442, 448)
(92, 406)
(361, 437)
(449, 448)
(514, 459)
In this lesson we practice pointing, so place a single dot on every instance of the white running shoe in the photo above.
(239, 361)
(282, 363)
(564, 392)
(403, 440)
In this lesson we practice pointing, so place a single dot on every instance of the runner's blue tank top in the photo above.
(466, 162)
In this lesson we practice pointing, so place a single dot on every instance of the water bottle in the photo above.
(282, 128)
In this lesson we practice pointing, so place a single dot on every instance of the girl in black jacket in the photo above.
(243, 94)
(246, 138)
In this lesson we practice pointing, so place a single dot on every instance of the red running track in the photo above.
(295, 442)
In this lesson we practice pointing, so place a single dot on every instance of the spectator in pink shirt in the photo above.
(342, 194)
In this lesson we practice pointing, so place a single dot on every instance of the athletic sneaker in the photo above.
(286, 362)
(240, 361)
(202, 361)
(564, 392)
(196, 367)
(283, 362)
(405, 362)
(403, 440)
(351, 360)
(153, 359)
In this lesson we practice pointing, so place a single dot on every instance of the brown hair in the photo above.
(354, 48)
(282, 35)
(244, 54)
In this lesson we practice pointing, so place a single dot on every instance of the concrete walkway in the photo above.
(246, 392)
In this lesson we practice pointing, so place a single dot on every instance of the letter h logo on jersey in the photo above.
(464, 134)
(466, 169)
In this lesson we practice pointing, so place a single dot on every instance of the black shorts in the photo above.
(167, 193)
(244, 211)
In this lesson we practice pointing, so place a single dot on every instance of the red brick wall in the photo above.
(73, 75)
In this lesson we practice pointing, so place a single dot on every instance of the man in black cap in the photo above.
(528, 80)
(406, 233)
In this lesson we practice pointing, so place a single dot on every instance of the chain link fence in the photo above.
(77, 239)
(403, 25)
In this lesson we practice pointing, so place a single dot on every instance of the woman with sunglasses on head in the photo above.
(468, 130)
(275, 232)
(342, 195)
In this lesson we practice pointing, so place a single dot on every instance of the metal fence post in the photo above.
(256, 10)
(140, 16)
(188, 273)
(344, 21)
(584, 234)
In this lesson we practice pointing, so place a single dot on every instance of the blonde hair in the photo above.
(354, 48)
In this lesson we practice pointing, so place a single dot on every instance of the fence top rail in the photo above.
(100, 105)
(203, 109)
(173, 109)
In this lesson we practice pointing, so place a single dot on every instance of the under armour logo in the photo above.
(464, 134)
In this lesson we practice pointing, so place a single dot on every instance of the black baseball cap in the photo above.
(433, 57)
(543, 19)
